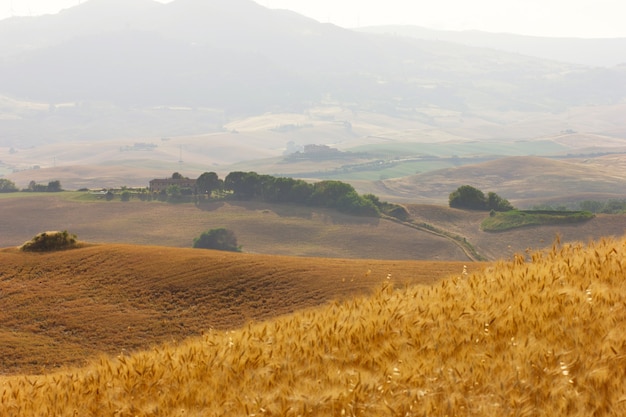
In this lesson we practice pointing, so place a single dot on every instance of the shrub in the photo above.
(50, 241)
(219, 239)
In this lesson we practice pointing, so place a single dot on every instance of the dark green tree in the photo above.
(244, 185)
(177, 176)
(219, 239)
(288, 190)
(468, 197)
(54, 186)
(497, 203)
(39, 188)
(208, 182)
(328, 193)
(353, 203)
(7, 186)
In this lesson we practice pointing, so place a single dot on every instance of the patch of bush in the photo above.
(50, 241)
(468, 197)
(219, 239)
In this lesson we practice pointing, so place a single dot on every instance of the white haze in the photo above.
(554, 18)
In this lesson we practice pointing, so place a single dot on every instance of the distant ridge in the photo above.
(518, 178)
(602, 52)
(248, 59)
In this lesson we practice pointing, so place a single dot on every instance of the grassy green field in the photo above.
(507, 220)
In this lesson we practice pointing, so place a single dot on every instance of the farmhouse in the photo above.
(158, 185)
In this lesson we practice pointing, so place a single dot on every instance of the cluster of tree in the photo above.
(8, 186)
(52, 187)
(468, 197)
(331, 194)
(219, 239)
(209, 182)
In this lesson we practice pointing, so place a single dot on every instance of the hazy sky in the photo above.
(579, 18)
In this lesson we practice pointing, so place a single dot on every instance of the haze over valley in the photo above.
(234, 85)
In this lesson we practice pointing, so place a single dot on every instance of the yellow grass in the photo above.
(540, 338)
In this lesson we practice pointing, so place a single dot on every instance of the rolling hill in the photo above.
(260, 228)
(434, 232)
(539, 338)
(523, 180)
(66, 307)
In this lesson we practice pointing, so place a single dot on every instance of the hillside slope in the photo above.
(278, 229)
(504, 245)
(521, 179)
(61, 308)
(546, 338)
(284, 229)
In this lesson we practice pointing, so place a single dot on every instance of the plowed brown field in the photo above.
(65, 307)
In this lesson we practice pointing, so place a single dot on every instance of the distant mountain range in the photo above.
(606, 52)
(240, 58)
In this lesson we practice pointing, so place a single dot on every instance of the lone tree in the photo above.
(468, 197)
(219, 239)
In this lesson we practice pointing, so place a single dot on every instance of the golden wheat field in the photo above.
(538, 337)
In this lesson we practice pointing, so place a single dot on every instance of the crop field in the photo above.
(539, 338)
(64, 307)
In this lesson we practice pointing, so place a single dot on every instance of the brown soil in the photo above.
(65, 307)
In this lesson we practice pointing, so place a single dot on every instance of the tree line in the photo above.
(329, 194)
(241, 185)
(8, 186)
